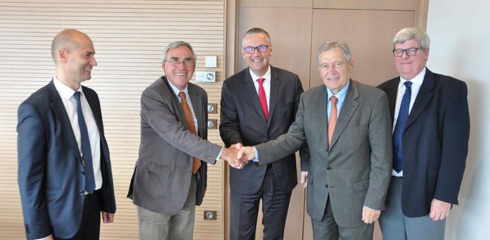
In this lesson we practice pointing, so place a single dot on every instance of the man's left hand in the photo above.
(439, 210)
(369, 215)
(107, 217)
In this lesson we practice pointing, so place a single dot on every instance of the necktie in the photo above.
(333, 118)
(196, 163)
(400, 127)
(86, 151)
(263, 98)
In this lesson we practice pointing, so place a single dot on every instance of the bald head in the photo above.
(68, 39)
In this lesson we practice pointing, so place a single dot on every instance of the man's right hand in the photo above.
(247, 153)
(230, 155)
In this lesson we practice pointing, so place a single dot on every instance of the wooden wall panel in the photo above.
(277, 3)
(369, 35)
(129, 37)
(373, 4)
(290, 45)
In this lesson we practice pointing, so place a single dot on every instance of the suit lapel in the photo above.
(274, 93)
(251, 93)
(62, 116)
(94, 106)
(392, 92)
(348, 108)
(320, 100)
(423, 97)
(197, 106)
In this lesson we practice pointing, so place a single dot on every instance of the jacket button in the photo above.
(82, 173)
(326, 185)
(82, 192)
(329, 168)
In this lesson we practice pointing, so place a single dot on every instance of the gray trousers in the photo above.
(327, 229)
(157, 226)
(396, 226)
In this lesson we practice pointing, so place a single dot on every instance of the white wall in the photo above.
(460, 47)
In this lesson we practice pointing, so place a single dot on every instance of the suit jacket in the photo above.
(163, 172)
(355, 171)
(51, 174)
(242, 121)
(435, 142)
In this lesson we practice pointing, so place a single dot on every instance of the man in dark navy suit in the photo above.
(64, 174)
(430, 142)
(258, 104)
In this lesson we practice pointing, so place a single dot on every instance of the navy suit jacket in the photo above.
(50, 174)
(242, 121)
(435, 142)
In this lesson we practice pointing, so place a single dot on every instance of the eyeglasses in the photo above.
(409, 52)
(176, 62)
(335, 65)
(260, 48)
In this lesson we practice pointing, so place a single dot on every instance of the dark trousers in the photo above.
(244, 209)
(327, 228)
(90, 226)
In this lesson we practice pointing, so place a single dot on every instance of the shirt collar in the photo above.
(177, 91)
(266, 76)
(417, 80)
(64, 91)
(341, 94)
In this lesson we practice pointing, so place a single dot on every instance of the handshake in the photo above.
(237, 155)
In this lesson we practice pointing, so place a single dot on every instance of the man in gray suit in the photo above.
(348, 130)
(170, 175)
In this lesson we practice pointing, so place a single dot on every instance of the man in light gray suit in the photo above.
(348, 130)
(169, 179)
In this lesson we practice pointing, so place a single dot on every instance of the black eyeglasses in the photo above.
(409, 52)
(260, 48)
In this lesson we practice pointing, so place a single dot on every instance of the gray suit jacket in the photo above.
(355, 171)
(163, 173)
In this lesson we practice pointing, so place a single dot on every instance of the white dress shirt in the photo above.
(266, 84)
(68, 98)
(416, 83)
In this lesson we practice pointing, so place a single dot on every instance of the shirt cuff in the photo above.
(256, 159)
(371, 208)
(219, 155)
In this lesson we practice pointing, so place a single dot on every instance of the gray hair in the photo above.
(328, 45)
(256, 30)
(416, 34)
(176, 44)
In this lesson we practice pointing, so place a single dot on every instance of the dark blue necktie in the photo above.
(400, 127)
(86, 152)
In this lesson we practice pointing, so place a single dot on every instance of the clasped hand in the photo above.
(230, 155)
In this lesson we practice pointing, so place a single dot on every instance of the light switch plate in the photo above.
(206, 76)
(211, 61)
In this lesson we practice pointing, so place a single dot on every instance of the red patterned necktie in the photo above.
(263, 98)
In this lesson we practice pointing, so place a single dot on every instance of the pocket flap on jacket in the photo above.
(158, 169)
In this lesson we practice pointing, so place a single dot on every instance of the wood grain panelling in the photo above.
(129, 37)
(356, 4)
(290, 45)
(369, 35)
(277, 3)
